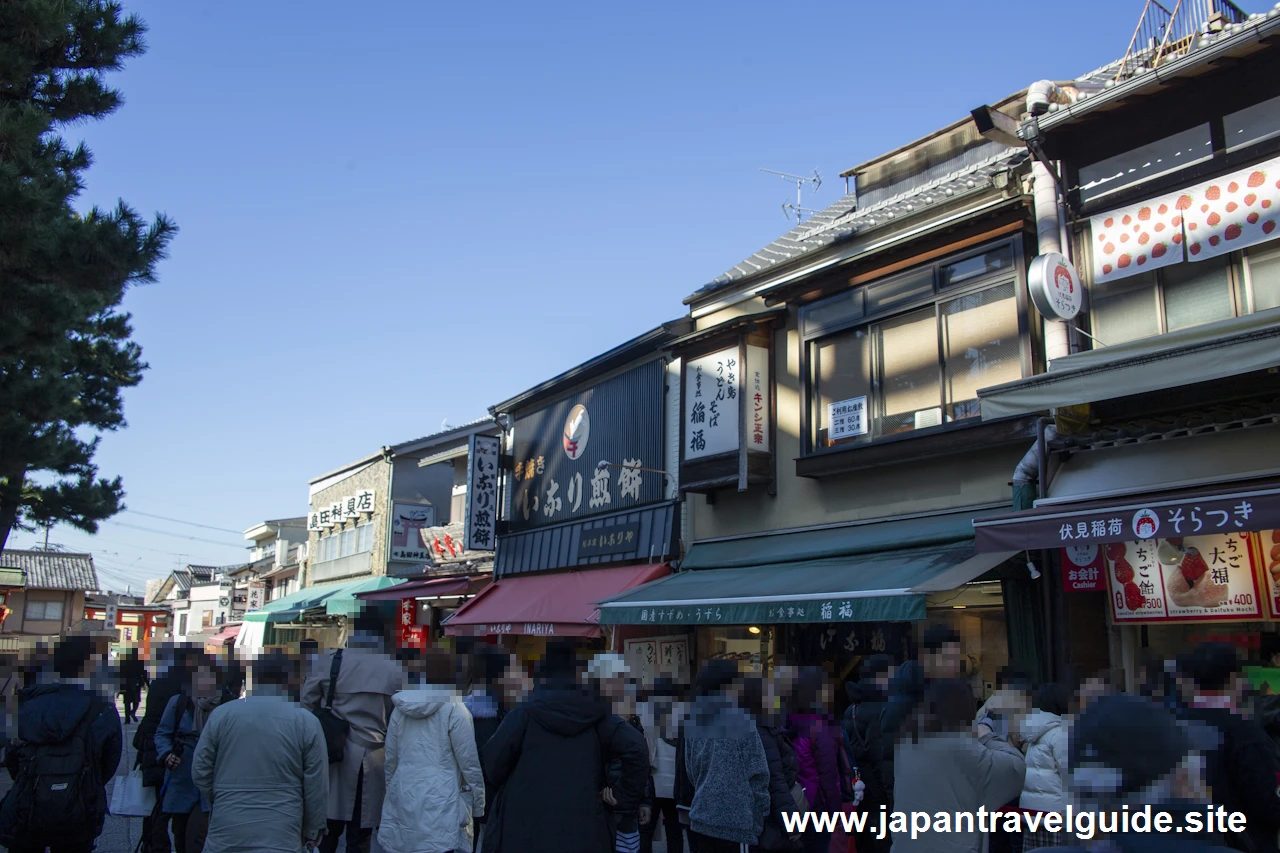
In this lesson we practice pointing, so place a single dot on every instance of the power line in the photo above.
(180, 521)
(175, 535)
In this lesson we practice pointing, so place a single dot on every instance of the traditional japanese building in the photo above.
(590, 506)
(1152, 496)
(42, 594)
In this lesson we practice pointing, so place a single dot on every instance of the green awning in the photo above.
(337, 600)
(882, 586)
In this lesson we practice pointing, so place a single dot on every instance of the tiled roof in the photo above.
(1217, 419)
(844, 218)
(52, 569)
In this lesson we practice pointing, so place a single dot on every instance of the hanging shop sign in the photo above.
(1188, 579)
(1055, 287)
(257, 595)
(1084, 569)
(482, 493)
(352, 506)
(408, 545)
(1269, 554)
(583, 455)
(1194, 224)
(727, 409)
(658, 657)
(835, 641)
(409, 634)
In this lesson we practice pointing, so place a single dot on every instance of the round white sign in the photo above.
(1055, 287)
(577, 430)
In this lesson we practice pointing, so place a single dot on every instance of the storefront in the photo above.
(832, 596)
(588, 502)
(319, 613)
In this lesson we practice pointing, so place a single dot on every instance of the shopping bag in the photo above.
(129, 798)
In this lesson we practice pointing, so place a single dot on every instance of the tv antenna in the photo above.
(788, 209)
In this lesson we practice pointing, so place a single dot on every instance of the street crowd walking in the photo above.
(458, 751)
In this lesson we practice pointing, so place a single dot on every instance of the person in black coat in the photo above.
(782, 772)
(155, 831)
(546, 763)
(871, 747)
(49, 714)
(133, 677)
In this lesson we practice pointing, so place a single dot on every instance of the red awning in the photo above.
(418, 589)
(226, 635)
(548, 605)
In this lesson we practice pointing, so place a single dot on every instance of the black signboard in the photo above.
(557, 474)
(620, 539)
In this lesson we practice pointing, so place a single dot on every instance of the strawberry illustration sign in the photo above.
(1193, 579)
(1205, 221)
(1055, 287)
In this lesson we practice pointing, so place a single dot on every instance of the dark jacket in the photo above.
(133, 676)
(486, 715)
(144, 739)
(872, 748)
(1244, 773)
(49, 714)
(622, 820)
(781, 778)
(906, 691)
(547, 762)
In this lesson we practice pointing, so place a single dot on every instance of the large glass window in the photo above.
(1164, 300)
(1146, 162)
(1264, 276)
(365, 538)
(921, 367)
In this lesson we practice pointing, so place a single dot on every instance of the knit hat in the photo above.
(608, 665)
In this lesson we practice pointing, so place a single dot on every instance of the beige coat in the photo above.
(261, 762)
(367, 681)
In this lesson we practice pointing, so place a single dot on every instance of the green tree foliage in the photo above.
(65, 348)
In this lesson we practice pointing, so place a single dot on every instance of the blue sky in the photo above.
(395, 214)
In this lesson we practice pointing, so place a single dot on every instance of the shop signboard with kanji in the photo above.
(1083, 569)
(355, 506)
(712, 392)
(585, 454)
(407, 523)
(1190, 579)
(482, 493)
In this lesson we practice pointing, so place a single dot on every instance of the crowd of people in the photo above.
(443, 751)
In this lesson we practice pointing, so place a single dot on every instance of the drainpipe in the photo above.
(1049, 228)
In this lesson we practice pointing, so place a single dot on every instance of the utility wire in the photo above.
(175, 535)
(180, 521)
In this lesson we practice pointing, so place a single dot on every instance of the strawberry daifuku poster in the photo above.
(1137, 238)
(1233, 211)
(1197, 578)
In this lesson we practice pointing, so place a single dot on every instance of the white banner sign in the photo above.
(713, 385)
(407, 523)
(757, 398)
(1137, 238)
(482, 493)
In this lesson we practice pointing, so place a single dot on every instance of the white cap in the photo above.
(608, 665)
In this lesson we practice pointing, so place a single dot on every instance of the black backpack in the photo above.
(57, 793)
(336, 730)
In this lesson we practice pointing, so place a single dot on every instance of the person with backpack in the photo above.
(1243, 771)
(176, 738)
(356, 685)
(68, 746)
(546, 764)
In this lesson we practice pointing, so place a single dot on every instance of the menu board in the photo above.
(1192, 579)
(1269, 550)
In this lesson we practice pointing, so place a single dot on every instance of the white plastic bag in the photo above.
(130, 798)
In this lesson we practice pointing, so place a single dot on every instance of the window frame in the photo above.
(1239, 286)
(941, 294)
(44, 604)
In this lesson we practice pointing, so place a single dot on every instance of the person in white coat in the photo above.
(434, 783)
(1045, 735)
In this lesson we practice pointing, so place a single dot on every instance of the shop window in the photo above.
(206, 619)
(1145, 162)
(920, 367)
(1164, 300)
(348, 538)
(43, 611)
(1252, 124)
(365, 538)
(1264, 277)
